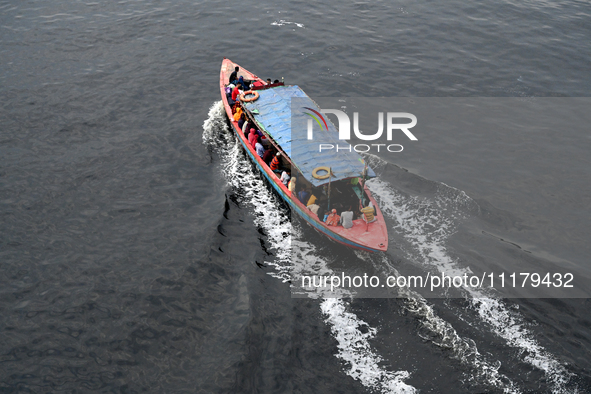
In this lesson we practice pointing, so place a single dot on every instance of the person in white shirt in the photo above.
(285, 177)
(259, 148)
(347, 218)
(314, 208)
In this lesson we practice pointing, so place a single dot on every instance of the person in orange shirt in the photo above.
(276, 163)
(333, 219)
(268, 156)
(238, 114)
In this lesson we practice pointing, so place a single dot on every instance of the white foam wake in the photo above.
(355, 349)
(441, 333)
(510, 326)
(426, 228)
(353, 345)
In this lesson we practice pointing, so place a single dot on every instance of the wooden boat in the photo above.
(272, 113)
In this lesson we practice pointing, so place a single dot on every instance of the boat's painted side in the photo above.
(376, 239)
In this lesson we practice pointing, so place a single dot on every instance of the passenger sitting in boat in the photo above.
(311, 200)
(285, 177)
(229, 89)
(252, 138)
(347, 218)
(238, 114)
(259, 148)
(229, 95)
(276, 81)
(304, 196)
(314, 208)
(236, 107)
(268, 81)
(321, 212)
(291, 186)
(241, 121)
(268, 156)
(234, 75)
(243, 83)
(368, 214)
(323, 207)
(276, 163)
(235, 93)
(333, 218)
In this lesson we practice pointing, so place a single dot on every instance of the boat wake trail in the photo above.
(442, 334)
(354, 349)
(423, 226)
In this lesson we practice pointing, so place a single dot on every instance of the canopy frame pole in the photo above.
(363, 184)
(329, 182)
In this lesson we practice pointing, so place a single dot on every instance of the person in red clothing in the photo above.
(235, 93)
(275, 163)
(252, 137)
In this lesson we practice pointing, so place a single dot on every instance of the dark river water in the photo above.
(140, 251)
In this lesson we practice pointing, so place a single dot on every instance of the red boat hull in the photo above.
(372, 237)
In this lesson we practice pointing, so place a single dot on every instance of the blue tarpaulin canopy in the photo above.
(277, 109)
